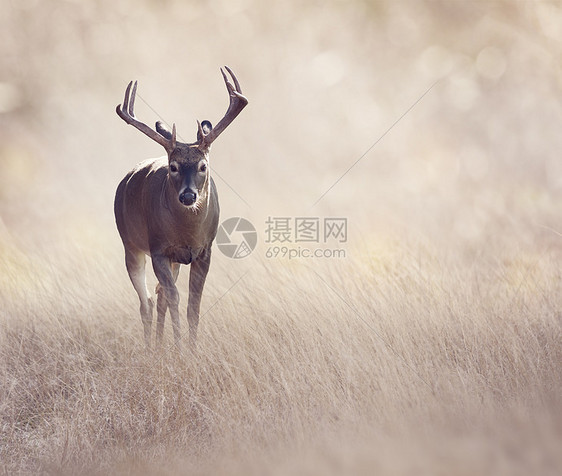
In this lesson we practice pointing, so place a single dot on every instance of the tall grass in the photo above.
(401, 363)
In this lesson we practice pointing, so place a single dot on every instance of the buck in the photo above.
(168, 209)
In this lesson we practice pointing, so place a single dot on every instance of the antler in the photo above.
(127, 113)
(237, 103)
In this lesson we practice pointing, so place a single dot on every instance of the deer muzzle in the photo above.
(188, 197)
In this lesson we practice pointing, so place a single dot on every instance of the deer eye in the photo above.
(203, 167)
(173, 168)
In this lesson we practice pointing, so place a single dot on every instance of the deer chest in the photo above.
(182, 255)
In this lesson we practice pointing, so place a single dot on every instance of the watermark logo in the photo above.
(286, 237)
(295, 237)
(305, 230)
(236, 238)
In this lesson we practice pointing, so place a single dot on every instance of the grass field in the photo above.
(405, 360)
(433, 347)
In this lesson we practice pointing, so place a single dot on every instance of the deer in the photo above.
(168, 208)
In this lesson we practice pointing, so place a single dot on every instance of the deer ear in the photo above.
(205, 128)
(163, 130)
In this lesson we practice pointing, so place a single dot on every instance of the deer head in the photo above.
(188, 163)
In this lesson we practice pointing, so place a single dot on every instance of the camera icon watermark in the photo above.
(236, 238)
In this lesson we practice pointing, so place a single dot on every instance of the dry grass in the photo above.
(448, 368)
(432, 348)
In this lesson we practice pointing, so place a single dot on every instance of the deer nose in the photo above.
(188, 197)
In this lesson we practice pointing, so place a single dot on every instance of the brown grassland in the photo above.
(433, 347)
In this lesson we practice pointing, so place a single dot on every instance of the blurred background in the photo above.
(478, 154)
(452, 108)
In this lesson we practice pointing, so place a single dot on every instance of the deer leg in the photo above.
(163, 269)
(197, 276)
(162, 305)
(135, 261)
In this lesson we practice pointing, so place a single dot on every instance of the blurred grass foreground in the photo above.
(433, 347)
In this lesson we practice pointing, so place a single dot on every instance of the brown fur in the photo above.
(154, 219)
